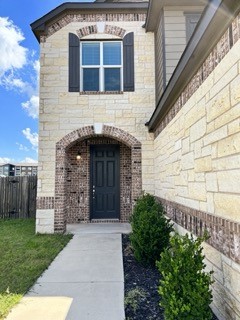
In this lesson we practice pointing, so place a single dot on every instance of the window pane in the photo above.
(90, 54)
(91, 79)
(112, 79)
(112, 53)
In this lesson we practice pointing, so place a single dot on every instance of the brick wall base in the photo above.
(224, 234)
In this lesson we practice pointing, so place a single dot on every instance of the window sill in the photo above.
(99, 92)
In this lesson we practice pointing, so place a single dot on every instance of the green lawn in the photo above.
(23, 257)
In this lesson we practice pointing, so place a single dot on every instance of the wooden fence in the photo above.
(18, 197)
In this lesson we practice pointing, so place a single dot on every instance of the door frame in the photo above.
(92, 147)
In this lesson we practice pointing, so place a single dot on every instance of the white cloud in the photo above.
(32, 106)
(29, 160)
(22, 147)
(13, 55)
(18, 69)
(11, 82)
(31, 137)
(5, 160)
(36, 67)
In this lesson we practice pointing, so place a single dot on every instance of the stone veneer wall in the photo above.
(63, 113)
(197, 166)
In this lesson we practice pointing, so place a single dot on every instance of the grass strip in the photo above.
(24, 255)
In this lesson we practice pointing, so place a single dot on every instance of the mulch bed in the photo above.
(143, 283)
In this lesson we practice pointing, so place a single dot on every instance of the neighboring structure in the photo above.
(133, 98)
(7, 170)
(19, 169)
(26, 169)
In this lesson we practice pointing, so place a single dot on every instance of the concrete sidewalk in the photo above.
(84, 282)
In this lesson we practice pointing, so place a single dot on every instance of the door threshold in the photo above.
(104, 220)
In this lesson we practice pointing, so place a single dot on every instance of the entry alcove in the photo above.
(79, 173)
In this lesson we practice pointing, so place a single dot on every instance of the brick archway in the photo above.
(60, 214)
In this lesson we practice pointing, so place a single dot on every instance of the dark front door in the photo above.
(105, 185)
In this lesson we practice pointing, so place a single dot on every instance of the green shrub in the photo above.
(150, 230)
(184, 288)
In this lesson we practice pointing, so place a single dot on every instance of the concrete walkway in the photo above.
(84, 282)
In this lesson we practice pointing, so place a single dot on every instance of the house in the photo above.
(7, 169)
(18, 169)
(139, 96)
(26, 169)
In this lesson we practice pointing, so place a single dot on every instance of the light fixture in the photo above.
(79, 157)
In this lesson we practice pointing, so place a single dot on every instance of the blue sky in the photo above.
(19, 72)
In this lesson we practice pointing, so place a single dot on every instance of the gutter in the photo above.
(214, 21)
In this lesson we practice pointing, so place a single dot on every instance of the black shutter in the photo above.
(128, 62)
(74, 63)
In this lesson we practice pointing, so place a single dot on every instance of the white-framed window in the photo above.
(101, 66)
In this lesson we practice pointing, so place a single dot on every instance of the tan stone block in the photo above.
(229, 145)
(140, 98)
(230, 162)
(61, 61)
(51, 126)
(197, 148)
(187, 161)
(185, 145)
(233, 113)
(83, 100)
(203, 164)
(210, 127)
(176, 168)
(203, 206)
(218, 306)
(54, 84)
(224, 81)
(194, 114)
(218, 105)
(213, 255)
(125, 122)
(206, 151)
(50, 70)
(191, 175)
(232, 307)
(235, 91)
(68, 99)
(210, 202)
(211, 182)
(182, 179)
(227, 205)
(234, 126)
(216, 135)
(200, 177)
(229, 181)
(197, 191)
(192, 203)
(183, 192)
(198, 129)
(231, 280)
(47, 61)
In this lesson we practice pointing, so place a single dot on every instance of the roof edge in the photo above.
(214, 21)
(39, 25)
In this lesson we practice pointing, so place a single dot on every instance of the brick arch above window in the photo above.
(101, 28)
